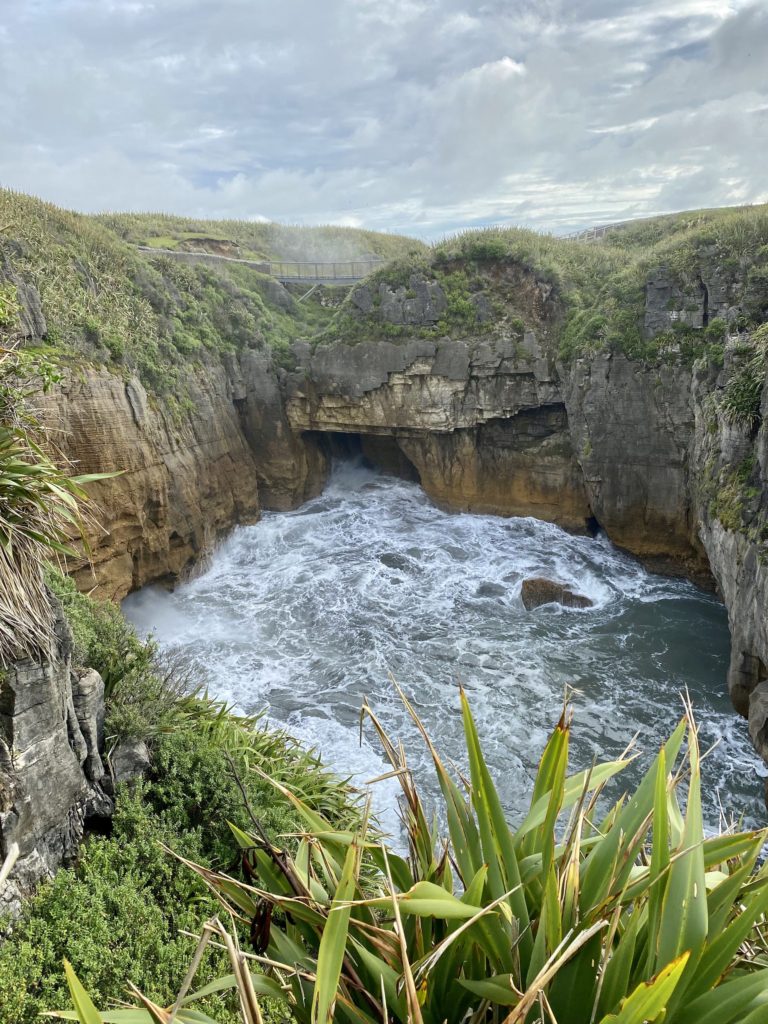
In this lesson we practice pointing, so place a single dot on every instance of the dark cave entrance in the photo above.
(378, 451)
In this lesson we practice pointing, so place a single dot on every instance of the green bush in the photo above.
(743, 393)
(120, 912)
(105, 641)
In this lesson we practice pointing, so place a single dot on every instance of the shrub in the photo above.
(120, 912)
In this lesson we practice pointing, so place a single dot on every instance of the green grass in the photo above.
(107, 303)
(262, 240)
(599, 286)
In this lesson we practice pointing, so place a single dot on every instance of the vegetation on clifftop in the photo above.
(261, 240)
(600, 285)
(107, 302)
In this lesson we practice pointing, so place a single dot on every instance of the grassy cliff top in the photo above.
(258, 240)
(107, 302)
(600, 284)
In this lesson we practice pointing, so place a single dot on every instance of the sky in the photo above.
(417, 116)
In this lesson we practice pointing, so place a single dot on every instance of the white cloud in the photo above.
(415, 115)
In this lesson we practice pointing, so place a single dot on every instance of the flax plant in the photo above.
(41, 509)
(579, 915)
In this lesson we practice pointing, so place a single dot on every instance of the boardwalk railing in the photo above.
(287, 271)
(592, 234)
(335, 270)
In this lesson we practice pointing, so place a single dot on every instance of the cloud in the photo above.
(413, 115)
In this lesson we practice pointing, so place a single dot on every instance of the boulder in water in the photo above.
(537, 591)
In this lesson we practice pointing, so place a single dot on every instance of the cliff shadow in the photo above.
(377, 451)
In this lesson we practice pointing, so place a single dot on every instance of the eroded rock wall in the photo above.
(632, 428)
(186, 477)
(51, 735)
(730, 463)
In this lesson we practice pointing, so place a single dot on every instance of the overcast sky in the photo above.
(421, 116)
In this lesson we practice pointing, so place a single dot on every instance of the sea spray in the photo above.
(307, 613)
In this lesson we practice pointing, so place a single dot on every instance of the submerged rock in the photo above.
(537, 591)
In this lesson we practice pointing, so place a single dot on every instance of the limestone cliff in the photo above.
(187, 474)
(490, 418)
(730, 462)
(51, 736)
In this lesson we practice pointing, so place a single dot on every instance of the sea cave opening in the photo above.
(376, 451)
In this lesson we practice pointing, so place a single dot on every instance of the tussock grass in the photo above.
(261, 240)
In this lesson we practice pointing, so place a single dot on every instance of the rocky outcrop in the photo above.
(538, 591)
(632, 427)
(187, 476)
(290, 469)
(730, 463)
(130, 760)
(32, 324)
(482, 421)
(493, 426)
(422, 303)
(694, 298)
(50, 766)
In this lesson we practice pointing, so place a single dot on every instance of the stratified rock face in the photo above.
(538, 591)
(520, 465)
(693, 299)
(482, 421)
(421, 304)
(632, 429)
(184, 482)
(290, 469)
(50, 766)
(730, 466)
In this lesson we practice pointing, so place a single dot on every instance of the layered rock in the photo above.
(186, 476)
(632, 427)
(482, 421)
(290, 469)
(50, 766)
(730, 462)
(488, 423)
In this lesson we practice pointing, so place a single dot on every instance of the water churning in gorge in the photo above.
(308, 612)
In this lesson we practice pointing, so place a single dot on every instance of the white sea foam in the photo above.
(306, 613)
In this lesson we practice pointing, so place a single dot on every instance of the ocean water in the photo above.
(309, 612)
